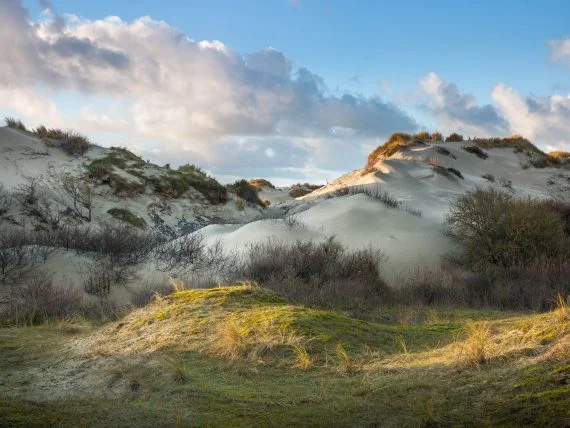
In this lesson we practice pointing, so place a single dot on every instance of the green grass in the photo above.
(128, 217)
(159, 366)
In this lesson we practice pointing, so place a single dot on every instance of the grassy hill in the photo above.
(243, 356)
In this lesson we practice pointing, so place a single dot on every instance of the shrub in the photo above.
(323, 273)
(563, 210)
(173, 184)
(422, 136)
(38, 300)
(70, 142)
(261, 182)
(128, 217)
(15, 124)
(476, 151)
(489, 177)
(394, 143)
(436, 136)
(18, 257)
(455, 172)
(454, 138)
(301, 189)
(498, 229)
(245, 191)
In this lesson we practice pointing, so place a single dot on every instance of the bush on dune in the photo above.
(261, 182)
(246, 191)
(497, 228)
(322, 273)
(71, 142)
(301, 189)
(454, 138)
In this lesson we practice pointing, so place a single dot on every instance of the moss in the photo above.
(128, 217)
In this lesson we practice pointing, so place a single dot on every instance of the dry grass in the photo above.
(559, 154)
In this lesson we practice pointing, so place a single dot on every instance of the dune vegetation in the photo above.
(300, 325)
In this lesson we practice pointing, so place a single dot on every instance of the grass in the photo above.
(127, 216)
(15, 124)
(286, 364)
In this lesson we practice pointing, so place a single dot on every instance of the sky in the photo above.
(290, 90)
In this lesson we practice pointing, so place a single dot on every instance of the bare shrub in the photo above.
(18, 256)
(323, 273)
(189, 253)
(81, 194)
(497, 228)
(6, 200)
(39, 300)
(99, 277)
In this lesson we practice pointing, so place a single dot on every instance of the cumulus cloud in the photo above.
(545, 119)
(198, 100)
(457, 111)
(180, 88)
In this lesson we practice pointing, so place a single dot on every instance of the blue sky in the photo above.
(479, 67)
(475, 43)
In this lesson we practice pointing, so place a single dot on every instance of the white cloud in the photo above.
(456, 111)
(194, 97)
(545, 120)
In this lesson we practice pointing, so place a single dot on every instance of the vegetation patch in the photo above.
(390, 147)
(454, 138)
(246, 191)
(71, 142)
(128, 217)
(475, 150)
(15, 124)
(301, 189)
(261, 182)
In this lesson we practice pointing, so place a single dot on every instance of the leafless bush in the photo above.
(99, 277)
(37, 201)
(6, 200)
(440, 284)
(18, 257)
(38, 300)
(81, 195)
(189, 253)
(323, 273)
